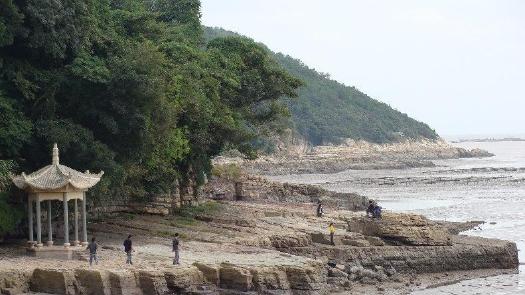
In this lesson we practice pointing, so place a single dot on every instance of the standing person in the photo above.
(176, 249)
(331, 229)
(128, 248)
(92, 247)
(320, 210)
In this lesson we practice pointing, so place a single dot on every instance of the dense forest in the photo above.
(141, 90)
(327, 111)
(128, 87)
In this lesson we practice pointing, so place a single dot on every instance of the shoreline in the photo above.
(263, 237)
(354, 155)
(264, 246)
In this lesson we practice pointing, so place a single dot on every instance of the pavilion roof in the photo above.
(56, 176)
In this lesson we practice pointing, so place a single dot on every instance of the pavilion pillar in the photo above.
(66, 221)
(30, 220)
(84, 220)
(38, 223)
(49, 224)
(76, 242)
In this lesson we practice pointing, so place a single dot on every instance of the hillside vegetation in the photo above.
(128, 87)
(327, 111)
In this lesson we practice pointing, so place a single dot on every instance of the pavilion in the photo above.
(61, 183)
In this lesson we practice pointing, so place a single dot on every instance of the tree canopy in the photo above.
(129, 87)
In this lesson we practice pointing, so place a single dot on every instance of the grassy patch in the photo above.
(185, 216)
(184, 221)
(207, 208)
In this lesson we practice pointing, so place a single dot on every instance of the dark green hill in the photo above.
(327, 111)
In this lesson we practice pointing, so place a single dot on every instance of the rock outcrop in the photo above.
(196, 279)
(474, 153)
(248, 248)
(258, 189)
(465, 253)
(402, 229)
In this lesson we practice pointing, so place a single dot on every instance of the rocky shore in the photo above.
(264, 247)
(357, 155)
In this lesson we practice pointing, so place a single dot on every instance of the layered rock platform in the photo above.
(260, 248)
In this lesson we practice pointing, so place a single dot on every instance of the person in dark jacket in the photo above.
(128, 248)
(92, 247)
(176, 243)
(370, 209)
(320, 210)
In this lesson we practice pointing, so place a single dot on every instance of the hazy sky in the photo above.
(458, 65)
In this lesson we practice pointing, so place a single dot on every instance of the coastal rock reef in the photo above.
(239, 247)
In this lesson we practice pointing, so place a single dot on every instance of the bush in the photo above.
(10, 216)
(6, 167)
(231, 172)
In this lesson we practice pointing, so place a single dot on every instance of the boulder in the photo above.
(236, 278)
(14, 282)
(91, 282)
(123, 283)
(474, 153)
(305, 278)
(364, 275)
(52, 281)
(184, 279)
(210, 272)
(269, 278)
(152, 283)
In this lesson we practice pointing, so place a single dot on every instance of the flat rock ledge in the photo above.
(196, 279)
(367, 253)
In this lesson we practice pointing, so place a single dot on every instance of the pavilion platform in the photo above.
(58, 252)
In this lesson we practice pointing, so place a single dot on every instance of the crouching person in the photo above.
(373, 210)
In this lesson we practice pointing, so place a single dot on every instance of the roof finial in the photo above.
(55, 154)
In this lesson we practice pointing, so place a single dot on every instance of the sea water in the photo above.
(488, 189)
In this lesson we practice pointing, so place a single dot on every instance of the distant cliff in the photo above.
(327, 111)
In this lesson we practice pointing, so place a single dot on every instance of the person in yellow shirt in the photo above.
(331, 229)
